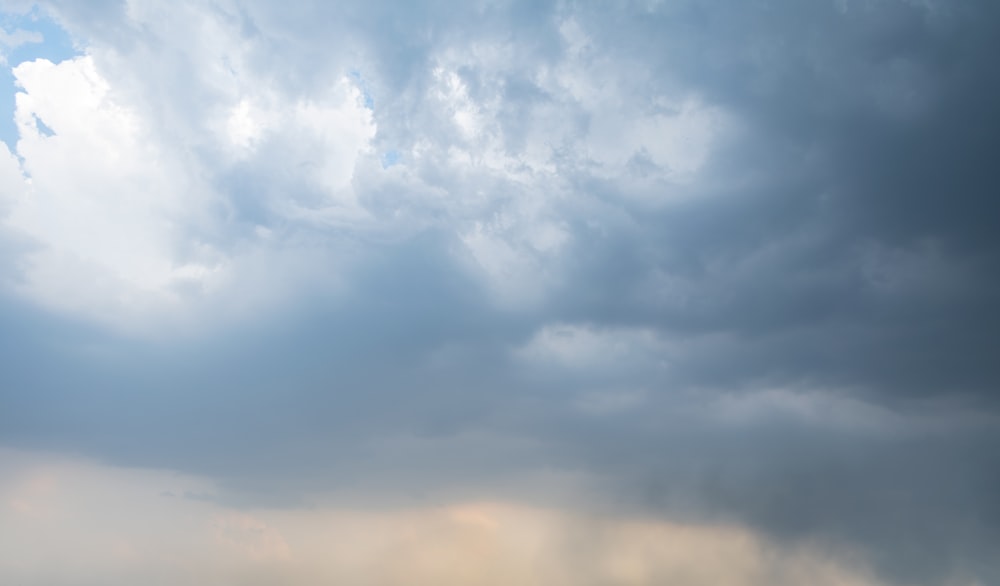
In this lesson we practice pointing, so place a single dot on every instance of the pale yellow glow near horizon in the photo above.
(72, 522)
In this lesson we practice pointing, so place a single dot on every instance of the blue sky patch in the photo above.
(363, 86)
(49, 41)
(390, 158)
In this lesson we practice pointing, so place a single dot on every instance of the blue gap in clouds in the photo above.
(392, 156)
(56, 45)
(363, 86)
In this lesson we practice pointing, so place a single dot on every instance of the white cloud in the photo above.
(16, 38)
(584, 347)
(129, 222)
(105, 205)
(181, 136)
(12, 185)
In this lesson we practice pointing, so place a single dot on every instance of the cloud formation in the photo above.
(75, 521)
(724, 264)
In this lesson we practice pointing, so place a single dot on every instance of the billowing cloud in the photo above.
(719, 265)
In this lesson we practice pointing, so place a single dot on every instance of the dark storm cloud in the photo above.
(858, 204)
(809, 328)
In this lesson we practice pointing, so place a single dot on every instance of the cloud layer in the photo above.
(78, 521)
(718, 264)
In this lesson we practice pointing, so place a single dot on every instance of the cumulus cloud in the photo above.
(730, 264)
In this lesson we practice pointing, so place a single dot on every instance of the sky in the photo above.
(629, 292)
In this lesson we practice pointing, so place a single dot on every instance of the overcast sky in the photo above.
(694, 292)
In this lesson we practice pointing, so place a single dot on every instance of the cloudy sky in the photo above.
(634, 292)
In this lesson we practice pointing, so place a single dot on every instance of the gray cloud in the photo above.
(790, 325)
